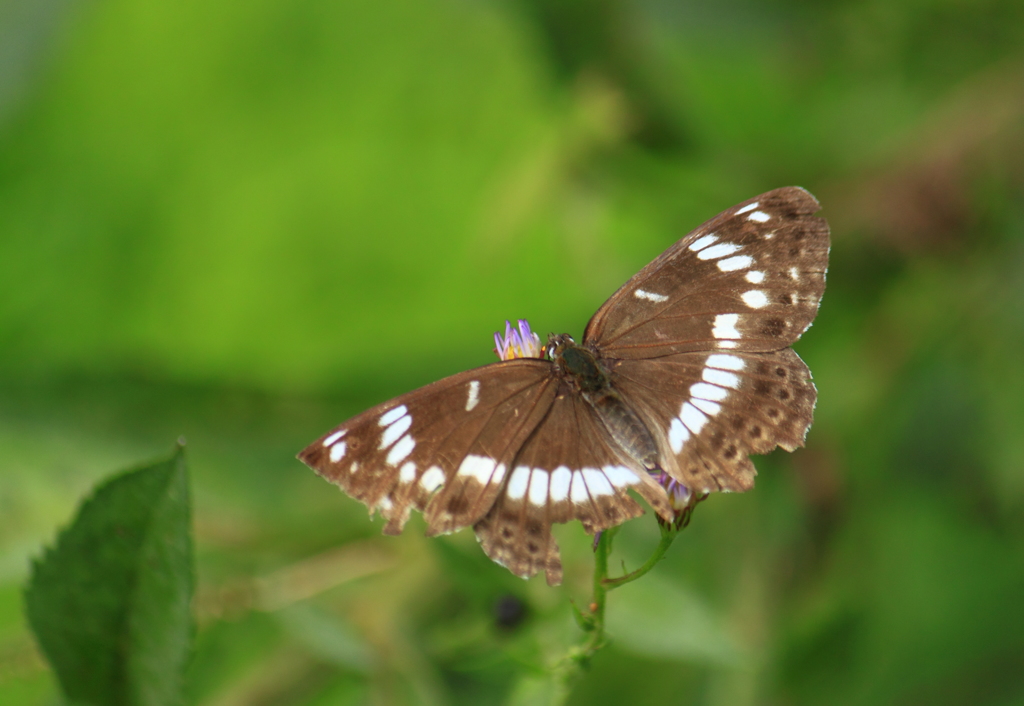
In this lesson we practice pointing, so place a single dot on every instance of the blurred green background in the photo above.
(245, 222)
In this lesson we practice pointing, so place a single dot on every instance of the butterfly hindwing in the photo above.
(749, 279)
(708, 411)
(443, 449)
(569, 469)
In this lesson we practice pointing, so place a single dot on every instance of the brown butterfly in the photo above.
(681, 374)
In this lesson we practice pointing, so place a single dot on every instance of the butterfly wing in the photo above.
(750, 279)
(442, 449)
(568, 469)
(509, 447)
(707, 412)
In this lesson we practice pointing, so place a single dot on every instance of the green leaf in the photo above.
(109, 604)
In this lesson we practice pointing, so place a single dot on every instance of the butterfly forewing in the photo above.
(569, 469)
(710, 410)
(443, 449)
(749, 279)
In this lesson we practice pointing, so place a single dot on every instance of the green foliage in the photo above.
(110, 602)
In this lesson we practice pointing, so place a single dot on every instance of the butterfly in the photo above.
(680, 375)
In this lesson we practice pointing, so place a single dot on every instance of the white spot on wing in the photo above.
(393, 414)
(597, 484)
(538, 487)
(703, 242)
(334, 437)
(384, 503)
(755, 277)
(705, 391)
(692, 417)
(737, 262)
(759, 216)
(479, 467)
(725, 361)
(720, 250)
(725, 326)
(650, 296)
(395, 430)
(721, 377)
(755, 299)
(748, 207)
(677, 435)
(709, 408)
(518, 483)
(794, 274)
(407, 474)
(337, 451)
(400, 450)
(561, 478)
(578, 493)
(474, 395)
(620, 476)
(432, 479)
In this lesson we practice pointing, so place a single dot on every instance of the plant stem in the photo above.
(668, 534)
(592, 620)
(597, 604)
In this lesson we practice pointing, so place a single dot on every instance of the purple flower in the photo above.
(680, 498)
(523, 343)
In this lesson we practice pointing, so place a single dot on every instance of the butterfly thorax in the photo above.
(582, 369)
(579, 364)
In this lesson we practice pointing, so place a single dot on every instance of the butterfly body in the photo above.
(593, 382)
(681, 374)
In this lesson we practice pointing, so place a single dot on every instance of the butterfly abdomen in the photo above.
(629, 433)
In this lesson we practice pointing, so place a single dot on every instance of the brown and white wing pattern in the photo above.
(569, 469)
(508, 448)
(443, 449)
(749, 279)
(708, 411)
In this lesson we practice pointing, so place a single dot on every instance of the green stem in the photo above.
(601, 552)
(667, 536)
(592, 620)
